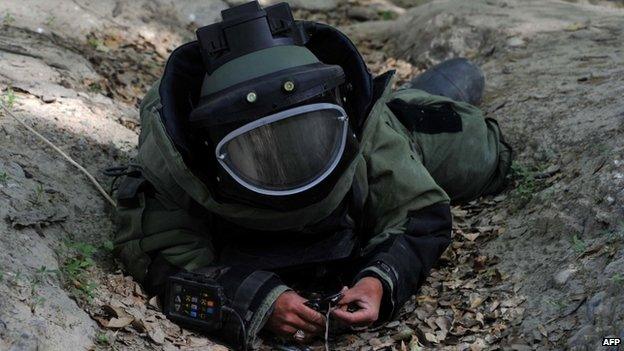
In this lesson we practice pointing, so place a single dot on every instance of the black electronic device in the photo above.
(194, 300)
(323, 304)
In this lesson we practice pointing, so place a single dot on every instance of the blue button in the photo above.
(210, 310)
(193, 314)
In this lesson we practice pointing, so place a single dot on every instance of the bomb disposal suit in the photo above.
(270, 160)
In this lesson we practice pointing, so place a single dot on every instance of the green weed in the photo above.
(102, 338)
(8, 99)
(95, 88)
(4, 178)
(8, 19)
(618, 278)
(108, 246)
(38, 195)
(18, 277)
(75, 269)
(556, 303)
(50, 20)
(525, 179)
(578, 244)
(387, 15)
(613, 235)
(40, 275)
(94, 42)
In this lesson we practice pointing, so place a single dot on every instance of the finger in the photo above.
(311, 316)
(348, 297)
(360, 317)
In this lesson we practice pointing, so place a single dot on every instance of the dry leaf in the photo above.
(383, 345)
(138, 291)
(139, 326)
(480, 262)
(102, 321)
(393, 324)
(198, 342)
(542, 330)
(478, 345)
(431, 338)
(494, 306)
(414, 345)
(374, 342)
(403, 334)
(121, 322)
(576, 26)
(114, 311)
(443, 323)
(479, 318)
(471, 236)
(154, 303)
(475, 300)
(156, 334)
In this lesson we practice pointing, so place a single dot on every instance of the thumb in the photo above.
(348, 296)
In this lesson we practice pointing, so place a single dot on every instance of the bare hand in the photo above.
(290, 314)
(366, 296)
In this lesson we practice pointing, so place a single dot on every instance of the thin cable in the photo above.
(67, 157)
(242, 324)
(329, 309)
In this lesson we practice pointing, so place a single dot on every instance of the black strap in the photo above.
(247, 291)
(128, 190)
(426, 119)
(358, 200)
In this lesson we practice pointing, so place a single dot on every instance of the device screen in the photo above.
(193, 302)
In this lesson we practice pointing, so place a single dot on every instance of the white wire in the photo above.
(65, 156)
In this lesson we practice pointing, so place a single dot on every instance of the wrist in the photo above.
(372, 284)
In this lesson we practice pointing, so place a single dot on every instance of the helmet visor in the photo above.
(288, 152)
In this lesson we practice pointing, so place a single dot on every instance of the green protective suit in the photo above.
(417, 153)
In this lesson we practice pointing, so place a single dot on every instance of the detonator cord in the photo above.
(242, 325)
(63, 154)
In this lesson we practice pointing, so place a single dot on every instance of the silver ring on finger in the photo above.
(299, 335)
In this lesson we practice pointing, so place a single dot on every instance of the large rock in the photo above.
(50, 54)
(313, 5)
(75, 19)
(410, 3)
(554, 82)
(444, 29)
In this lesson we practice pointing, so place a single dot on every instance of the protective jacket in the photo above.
(387, 216)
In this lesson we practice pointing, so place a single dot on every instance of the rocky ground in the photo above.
(537, 267)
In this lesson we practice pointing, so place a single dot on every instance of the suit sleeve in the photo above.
(156, 238)
(409, 219)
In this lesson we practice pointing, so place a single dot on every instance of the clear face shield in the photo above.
(287, 152)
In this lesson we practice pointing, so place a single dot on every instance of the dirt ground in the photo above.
(540, 266)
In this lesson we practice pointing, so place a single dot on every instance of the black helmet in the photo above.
(271, 124)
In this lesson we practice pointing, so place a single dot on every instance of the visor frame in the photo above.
(293, 112)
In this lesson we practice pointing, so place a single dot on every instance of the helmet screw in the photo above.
(289, 86)
(251, 97)
(221, 156)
